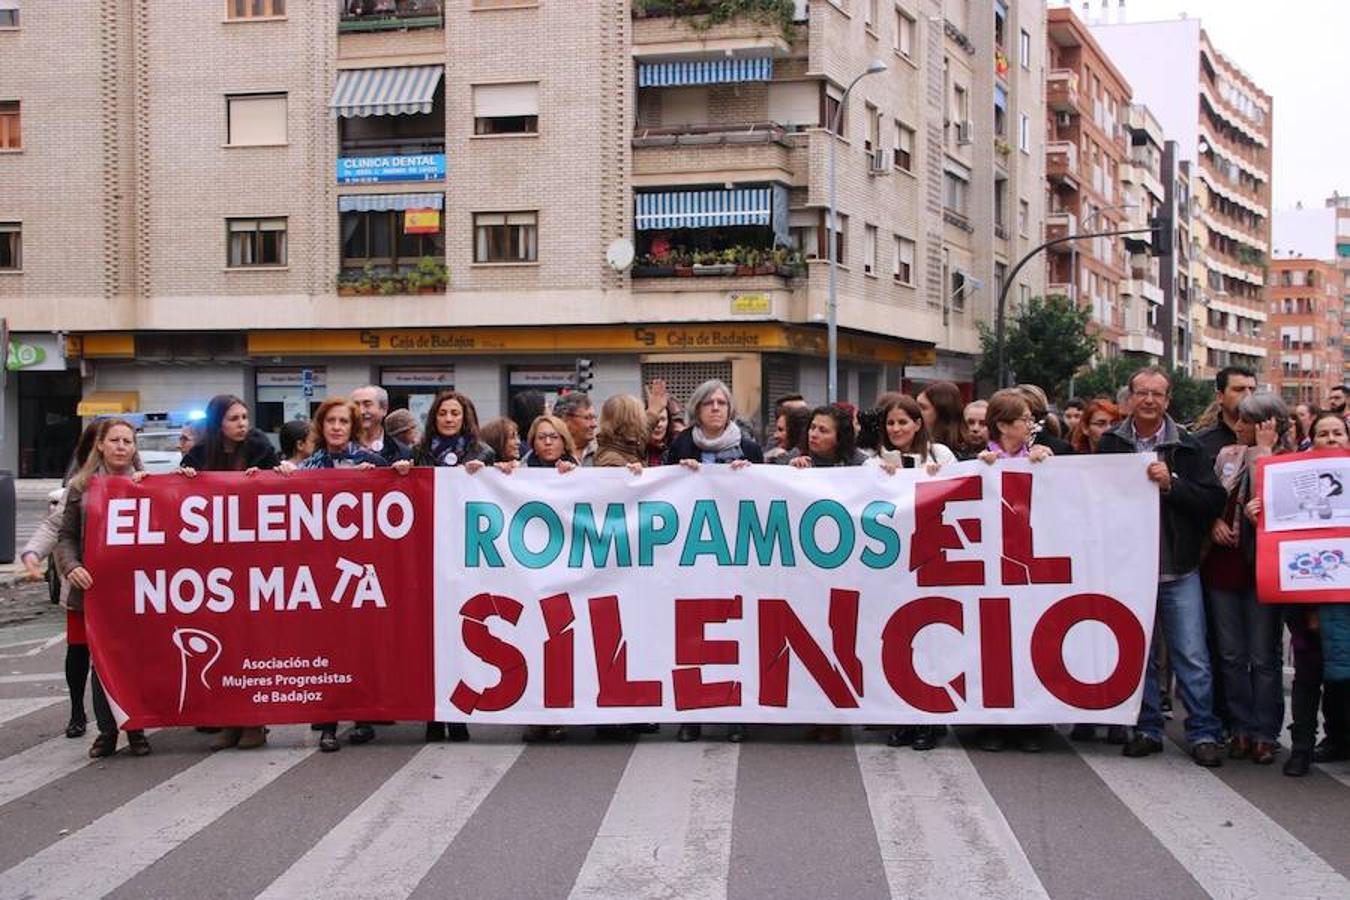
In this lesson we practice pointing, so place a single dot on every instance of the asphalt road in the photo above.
(775, 817)
(31, 494)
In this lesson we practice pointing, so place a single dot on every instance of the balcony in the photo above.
(673, 28)
(1149, 342)
(1058, 289)
(760, 151)
(1061, 164)
(1142, 287)
(389, 15)
(1061, 91)
(1060, 225)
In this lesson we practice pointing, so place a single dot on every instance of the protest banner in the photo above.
(985, 594)
(1303, 536)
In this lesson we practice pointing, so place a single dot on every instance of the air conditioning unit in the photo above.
(878, 163)
(1063, 119)
(963, 133)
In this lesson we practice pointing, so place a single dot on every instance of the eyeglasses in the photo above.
(548, 437)
(1028, 419)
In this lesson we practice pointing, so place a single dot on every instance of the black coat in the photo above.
(257, 452)
(683, 447)
(1195, 500)
(1215, 438)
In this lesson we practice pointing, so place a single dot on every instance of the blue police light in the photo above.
(196, 415)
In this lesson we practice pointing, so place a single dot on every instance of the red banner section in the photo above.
(267, 599)
(1303, 540)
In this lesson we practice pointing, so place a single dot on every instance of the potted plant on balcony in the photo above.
(745, 259)
(346, 284)
(430, 276)
(712, 262)
(652, 266)
(787, 262)
(683, 261)
(366, 281)
(764, 262)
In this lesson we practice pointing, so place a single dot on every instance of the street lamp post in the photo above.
(831, 226)
(1073, 245)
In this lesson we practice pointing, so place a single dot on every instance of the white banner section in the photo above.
(997, 594)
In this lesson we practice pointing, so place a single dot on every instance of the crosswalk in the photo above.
(653, 819)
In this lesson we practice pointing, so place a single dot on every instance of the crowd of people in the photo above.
(1219, 646)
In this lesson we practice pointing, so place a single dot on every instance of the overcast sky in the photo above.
(1295, 51)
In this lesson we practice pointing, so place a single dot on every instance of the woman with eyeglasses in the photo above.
(1099, 417)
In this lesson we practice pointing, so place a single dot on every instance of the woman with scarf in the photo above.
(450, 436)
(714, 438)
(114, 454)
(334, 431)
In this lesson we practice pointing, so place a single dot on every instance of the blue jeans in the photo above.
(1250, 661)
(1181, 615)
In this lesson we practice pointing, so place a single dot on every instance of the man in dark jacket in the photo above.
(1231, 384)
(1191, 499)
(372, 401)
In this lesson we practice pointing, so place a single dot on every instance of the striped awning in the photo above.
(705, 71)
(382, 202)
(406, 90)
(668, 210)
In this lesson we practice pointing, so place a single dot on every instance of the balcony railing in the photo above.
(1061, 90)
(706, 135)
(1061, 161)
(389, 15)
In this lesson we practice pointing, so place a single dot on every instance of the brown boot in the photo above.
(252, 738)
(227, 738)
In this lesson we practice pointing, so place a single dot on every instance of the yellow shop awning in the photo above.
(108, 403)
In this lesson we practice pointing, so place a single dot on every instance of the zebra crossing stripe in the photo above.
(388, 843)
(39, 766)
(15, 709)
(941, 833)
(138, 833)
(667, 832)
(1230, 847)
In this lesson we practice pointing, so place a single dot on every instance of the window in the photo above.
(957, 191)
(793, 104)
(1023, 216)
(380, 238)
(870, 249)
(11, 246)
(958, 290)
(904, 32)
(903, 269)
(830, 99)
(1024, 50)
(255, 119)
(960, 104)
(506, 237)
(257, 242)
(873, 142)
(904, 147)
(839, 232)
(9, 14)
(254, 9)
(870, 14)
(1024, 133)
(506, 108)
(10, 134)
(1001, 205)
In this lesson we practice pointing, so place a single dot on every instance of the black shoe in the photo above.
(328, 742)
(646, 728)
(737, 734)
(902, 736)
(992, 740)
(456, 732)
(1207, 754)
(1030, 740)
(1328, 750)
(104, 745)
(76, 728)
(1298, 764)
(544, 734)
(137, 745)
(689, 733)
(1117, 734)
(435, 732)
(361, 734)
(926, 737)
(1142, 745)
(1083, 733)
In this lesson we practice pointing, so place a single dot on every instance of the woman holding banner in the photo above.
(831, 440)
(1314, 674)
(1247, 632)
(333, 432)
(450, 436)
(114, 454)
(714, 438)
(550, 447)
(229, 444)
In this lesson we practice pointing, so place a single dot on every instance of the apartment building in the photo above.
(1306, 308)
(1221, 121)
(986, 144)
(285, 200)
(1087, 159)
(1318, 233)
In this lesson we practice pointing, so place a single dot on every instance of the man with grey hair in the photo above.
(372, 402)
(577, 411)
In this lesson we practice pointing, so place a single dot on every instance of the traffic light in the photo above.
(585, 375)
(1163, 238)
